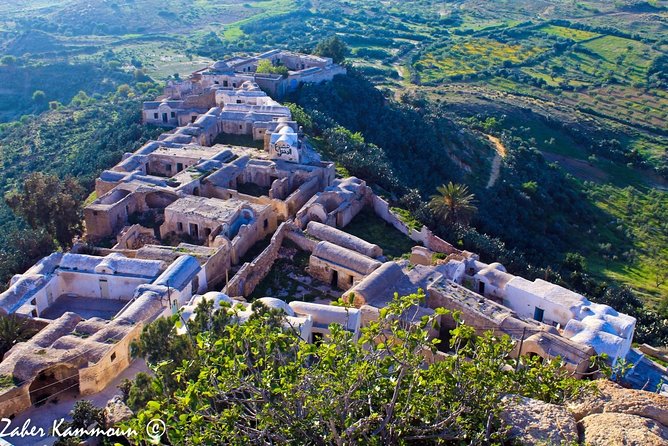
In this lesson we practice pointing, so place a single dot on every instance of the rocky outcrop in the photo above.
(611, 397)
(607, 429)
(116, 411)
(533, 422)
(613, 415)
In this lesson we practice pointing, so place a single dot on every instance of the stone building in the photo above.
(531, 337)
(94, 308)
(338, 204)
(339, 266)
(598, 326)
(343, 239)
(204, 220)
(173, 222)
(111, 280)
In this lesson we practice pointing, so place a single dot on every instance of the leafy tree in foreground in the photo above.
(49, 203)
(453, 203)
(259, 383)
(84, 416)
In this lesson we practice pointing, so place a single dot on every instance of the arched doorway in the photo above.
(53, 381)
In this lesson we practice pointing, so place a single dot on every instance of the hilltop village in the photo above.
(193, 216)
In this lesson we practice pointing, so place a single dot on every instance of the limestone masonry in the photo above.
(190, 217)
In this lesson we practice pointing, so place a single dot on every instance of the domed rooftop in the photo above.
(279, 304)
(220, 65)
(250, 86)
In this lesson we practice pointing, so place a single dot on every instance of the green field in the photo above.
(469, 56)
(569, 33)
(593, 70)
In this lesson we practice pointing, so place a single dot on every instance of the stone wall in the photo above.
(297, 236)
(280, 207)
(424, 235)
(218, 265)
(95, 378)
(299, 197)
(249, 234)
(251, 274)
(131, 237)
(15, 400)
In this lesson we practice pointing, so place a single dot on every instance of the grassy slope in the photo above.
(162, 40)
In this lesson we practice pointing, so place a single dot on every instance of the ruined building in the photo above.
(188, 218)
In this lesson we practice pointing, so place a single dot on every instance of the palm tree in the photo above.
(453, 204)
(12, 331)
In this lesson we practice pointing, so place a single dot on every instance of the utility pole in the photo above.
(519, 353)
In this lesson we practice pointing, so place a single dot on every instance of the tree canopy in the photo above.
(332, 47)
(265, 66)
(453, 203)
(49, 203)
(260, 383)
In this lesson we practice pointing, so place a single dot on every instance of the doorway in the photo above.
(104, 288)
(335, 279)
(538, 314)
(54, 381)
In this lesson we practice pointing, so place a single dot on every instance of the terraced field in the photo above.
(597, 63)
(473, 55)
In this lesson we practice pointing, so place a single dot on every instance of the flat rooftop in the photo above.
(189, 151)
(210, 208)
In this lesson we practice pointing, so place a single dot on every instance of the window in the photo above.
(193, 118)
(113, 356)
(155, 116)
(238, 101)
(240, 127)
(169, 167)
(216, 82)
(179, 167)
(224, 83)
(94, 212)
(266, 223)
(173, 114)
(179, 226)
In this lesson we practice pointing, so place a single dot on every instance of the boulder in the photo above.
(533, 422)
(614, 398)
(116, 411)
(609, 429)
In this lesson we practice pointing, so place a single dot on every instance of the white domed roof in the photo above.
(279, 304)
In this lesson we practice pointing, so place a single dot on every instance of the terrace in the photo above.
(86, 307)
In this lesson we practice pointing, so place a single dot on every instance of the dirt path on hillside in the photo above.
(496, 164)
